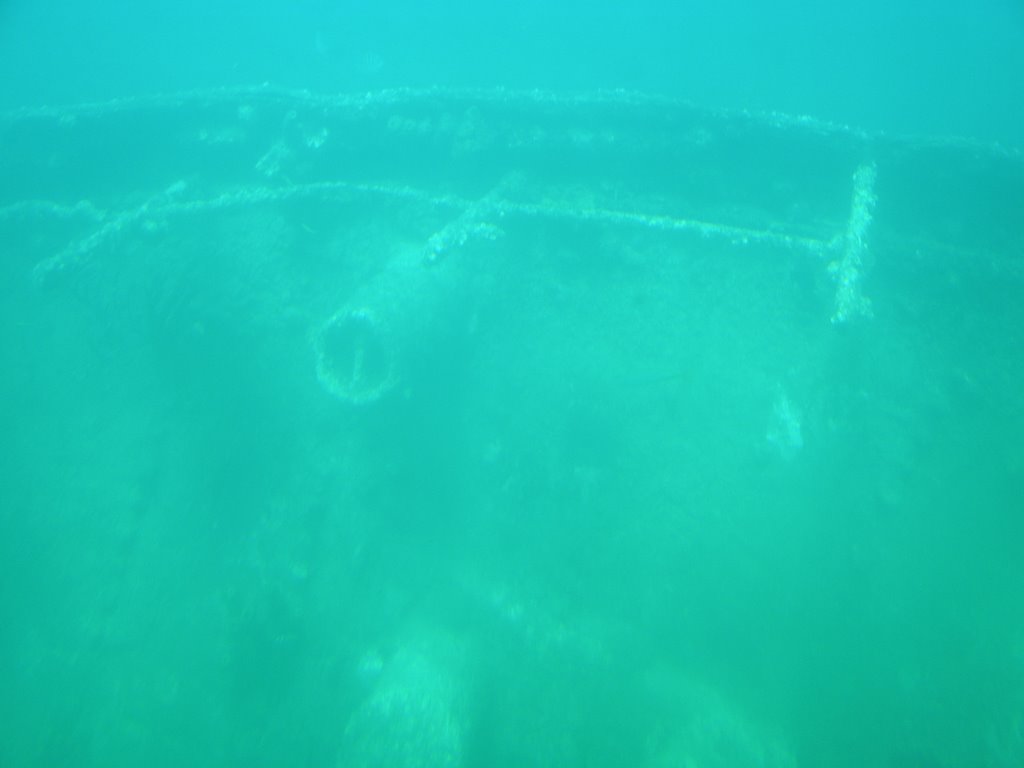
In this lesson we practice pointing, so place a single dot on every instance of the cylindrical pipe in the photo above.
(365, 348)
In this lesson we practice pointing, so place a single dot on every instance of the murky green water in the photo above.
(499, 428)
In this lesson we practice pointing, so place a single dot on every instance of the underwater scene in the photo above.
(399, 423)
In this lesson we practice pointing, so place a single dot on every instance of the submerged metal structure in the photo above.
(444, 175)
(714, 360)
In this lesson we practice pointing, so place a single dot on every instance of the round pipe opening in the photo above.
(354, 361)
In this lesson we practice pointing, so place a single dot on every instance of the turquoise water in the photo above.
(548, 386)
